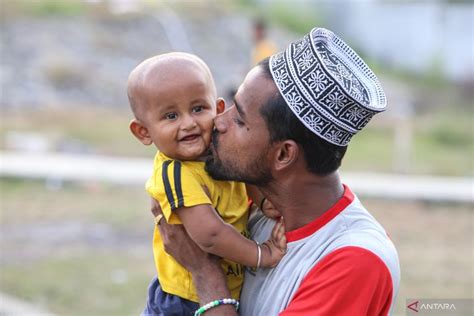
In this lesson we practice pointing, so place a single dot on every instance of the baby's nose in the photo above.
(188, 122)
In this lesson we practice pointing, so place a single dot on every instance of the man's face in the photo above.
(241, 149)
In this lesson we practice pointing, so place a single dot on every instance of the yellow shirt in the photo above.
(176, 184)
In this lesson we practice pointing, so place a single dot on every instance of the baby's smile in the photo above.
(190, 138)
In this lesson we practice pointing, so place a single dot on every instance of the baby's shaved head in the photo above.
(153, 70)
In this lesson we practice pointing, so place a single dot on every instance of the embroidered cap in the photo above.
(327, 85)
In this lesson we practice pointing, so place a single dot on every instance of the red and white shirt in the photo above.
(342, 263)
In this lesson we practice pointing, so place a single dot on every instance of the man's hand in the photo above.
(155, 208)
(179, 245)
(205, 269)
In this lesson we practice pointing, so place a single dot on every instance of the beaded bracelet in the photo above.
(215, 303)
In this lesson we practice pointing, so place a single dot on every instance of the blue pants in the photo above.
(160, 303)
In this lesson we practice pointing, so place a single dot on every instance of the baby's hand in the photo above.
(269, 210)
(275, 248)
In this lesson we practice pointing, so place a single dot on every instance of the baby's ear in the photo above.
(140, 132)
(220, 105)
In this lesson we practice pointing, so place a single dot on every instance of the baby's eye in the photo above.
(198, 109)
(171, 116)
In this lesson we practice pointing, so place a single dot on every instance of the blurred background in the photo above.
(75, 223)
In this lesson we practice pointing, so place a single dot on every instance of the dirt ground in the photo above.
(435, 246)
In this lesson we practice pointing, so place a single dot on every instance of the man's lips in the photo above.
(189, 137)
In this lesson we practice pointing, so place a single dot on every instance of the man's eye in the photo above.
(197, 109)
(238, 121)
(171, 116)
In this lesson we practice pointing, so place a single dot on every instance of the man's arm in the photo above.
(205, 269)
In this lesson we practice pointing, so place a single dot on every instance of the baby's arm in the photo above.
(213, 235)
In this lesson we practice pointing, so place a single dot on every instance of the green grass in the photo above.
(91, 283)
(371, 150)
(104, 131)
(442, 144)
(442, 138)
(299, 20)
(44, 7)
(96, 202)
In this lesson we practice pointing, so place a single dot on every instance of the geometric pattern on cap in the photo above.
(327, 86)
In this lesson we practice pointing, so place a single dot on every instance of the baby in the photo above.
(174, 100)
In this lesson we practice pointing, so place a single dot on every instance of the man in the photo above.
(287, 132)
(263, 46)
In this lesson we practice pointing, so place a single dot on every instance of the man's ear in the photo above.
(220, 105)
(140, 132)
(286, 154)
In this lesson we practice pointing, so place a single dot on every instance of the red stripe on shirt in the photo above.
(311, 228)
(349, 281)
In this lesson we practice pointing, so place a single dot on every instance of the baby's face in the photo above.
(180, 112)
